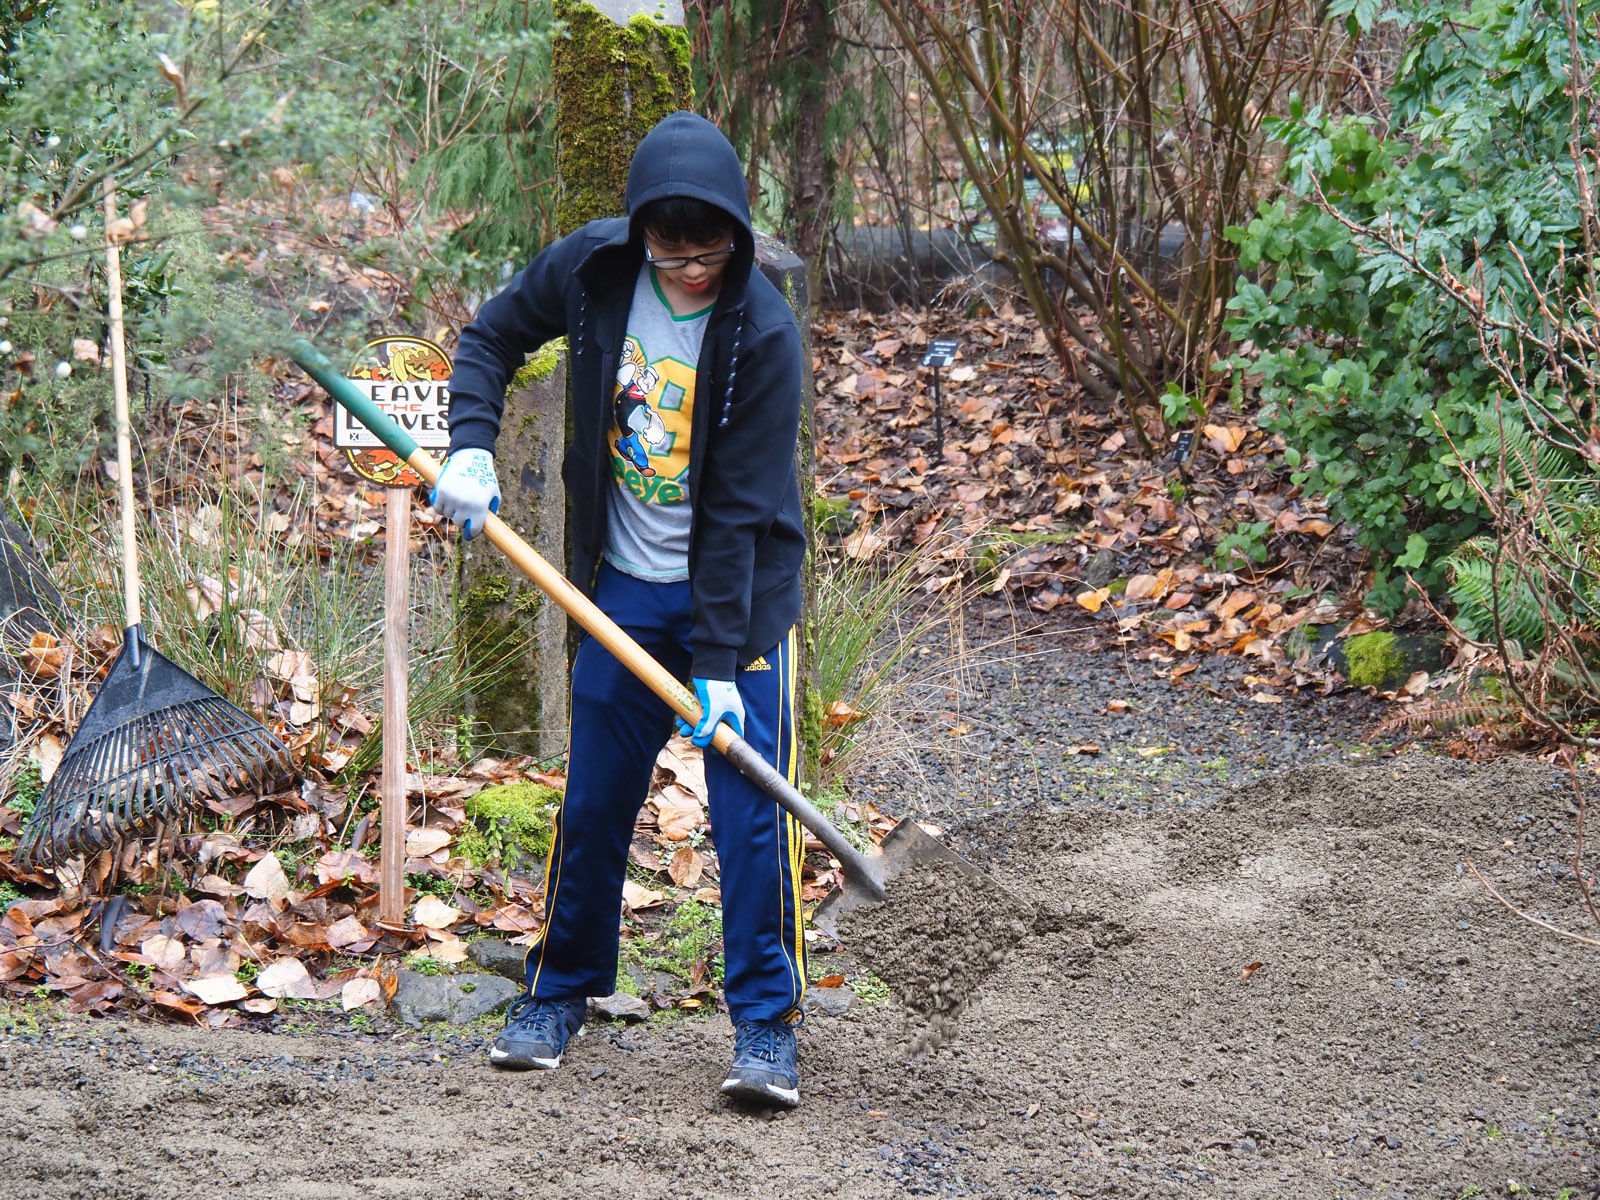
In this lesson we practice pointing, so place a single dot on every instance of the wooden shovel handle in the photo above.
(858, 868)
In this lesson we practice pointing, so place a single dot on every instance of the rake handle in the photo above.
(602, 628)
(119, 390)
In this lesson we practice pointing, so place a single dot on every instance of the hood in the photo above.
(686, 155)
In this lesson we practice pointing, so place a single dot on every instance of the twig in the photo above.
(1490, 888)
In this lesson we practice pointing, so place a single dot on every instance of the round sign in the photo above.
(409, 378)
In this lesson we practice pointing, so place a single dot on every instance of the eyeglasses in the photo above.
(715, 259)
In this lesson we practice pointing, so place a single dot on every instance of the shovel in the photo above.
(866, 878)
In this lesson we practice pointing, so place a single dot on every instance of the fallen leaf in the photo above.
(216, 989)
(433, 913)
(1086, 748)
(47, 752)
(636, 897)
(1093, 600)
(348, 865)
(865, 543)
(287, 977)
(358, 992)
(1226, 438)
(446, 947)
(164, 953)
(1250, 969)
(686, 867)
(43, 655)
(1116, 706)
(266, 881)
(424, 841)
(347, 931)
(85, 350)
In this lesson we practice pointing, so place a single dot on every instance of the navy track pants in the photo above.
(618, 728)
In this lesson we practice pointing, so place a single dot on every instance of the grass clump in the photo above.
(687, 948)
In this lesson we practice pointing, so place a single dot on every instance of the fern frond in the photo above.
(1445, 716)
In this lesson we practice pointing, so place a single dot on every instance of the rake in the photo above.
(156, 739)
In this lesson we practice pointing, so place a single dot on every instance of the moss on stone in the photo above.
(541, 364)
(512, 823)
(614, 83)
(831, 515)
(1372, 658)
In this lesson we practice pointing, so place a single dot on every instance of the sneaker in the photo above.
(536, 1033)
(763, 1070)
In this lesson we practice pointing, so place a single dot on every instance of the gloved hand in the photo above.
(467, 491)
(719, 701)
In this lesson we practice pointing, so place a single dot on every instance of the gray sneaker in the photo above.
(536, 1033)
(764, 1070)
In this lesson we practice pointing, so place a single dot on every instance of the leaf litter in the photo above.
(1038, 496)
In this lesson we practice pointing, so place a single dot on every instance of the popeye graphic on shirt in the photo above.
(649, 434)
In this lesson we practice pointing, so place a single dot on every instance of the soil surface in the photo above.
(1243, 956)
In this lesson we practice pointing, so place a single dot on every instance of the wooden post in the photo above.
(396, 664)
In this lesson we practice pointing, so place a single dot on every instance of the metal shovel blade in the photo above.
(904, 846)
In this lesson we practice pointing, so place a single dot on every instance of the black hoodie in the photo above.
(747, 542)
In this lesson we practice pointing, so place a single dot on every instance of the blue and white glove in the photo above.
(467, 491)
(719, 701)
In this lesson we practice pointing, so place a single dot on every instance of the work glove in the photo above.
(467, 491)
(719, 701)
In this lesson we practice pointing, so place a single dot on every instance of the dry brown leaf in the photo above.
(287, 664)
(446, 947)
(348, 865)
(686, 867)
(1093, 600)
(433, 913)
(865, 543)
(1250, 969)
(358, 992)
(1226, 438)
(47, 752)
(636, 897)
(43, 655)
(347, 931)
(164, 953)
(85, 350)
(840, 712)
(423, 841)
(287, 977)
(266, 881)
(216, 989)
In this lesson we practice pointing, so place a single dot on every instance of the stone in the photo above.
(619, 1006)
(454, 998)
(830, 1001)
(1101, 569)
(499, 958)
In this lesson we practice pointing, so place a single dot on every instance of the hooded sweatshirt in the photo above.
(746, 543)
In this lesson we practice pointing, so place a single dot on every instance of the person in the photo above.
(685, 528)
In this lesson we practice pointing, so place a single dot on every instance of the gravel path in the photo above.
(1246, 961)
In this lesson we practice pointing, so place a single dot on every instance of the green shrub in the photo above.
(1368, 367)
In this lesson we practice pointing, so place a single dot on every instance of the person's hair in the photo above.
(684, 220)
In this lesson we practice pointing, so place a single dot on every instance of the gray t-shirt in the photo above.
(652, 409)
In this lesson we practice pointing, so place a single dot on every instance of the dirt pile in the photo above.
(1295, 990)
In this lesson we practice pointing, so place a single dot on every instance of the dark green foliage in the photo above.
(221, 119)
(1372, 371)
(1504, 594)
